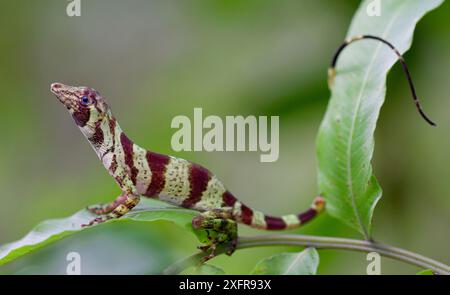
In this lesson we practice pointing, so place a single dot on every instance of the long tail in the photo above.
(259, 220)
(332, 69)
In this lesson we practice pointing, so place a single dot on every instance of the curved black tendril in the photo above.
(400, 58)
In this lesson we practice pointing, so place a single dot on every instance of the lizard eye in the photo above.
(86, 101)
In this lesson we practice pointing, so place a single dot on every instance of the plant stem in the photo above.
(320, 243)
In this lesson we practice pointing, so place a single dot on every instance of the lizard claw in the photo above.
(208, 257)
(211, 255)
(96, 221)
(232, 247)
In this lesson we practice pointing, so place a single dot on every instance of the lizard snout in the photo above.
(56, 89)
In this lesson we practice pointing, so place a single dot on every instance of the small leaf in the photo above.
(302, 263)
(52, 230)
(426, 272)
(206, 269)
(345, 142)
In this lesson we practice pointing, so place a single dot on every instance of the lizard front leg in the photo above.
(129, 202)
(108, 207)
(224, 227)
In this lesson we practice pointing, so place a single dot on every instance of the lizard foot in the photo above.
(123, 204)
(98, 220)
(213, 246)
(224, 233)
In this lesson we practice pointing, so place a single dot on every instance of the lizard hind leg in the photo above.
(221, 230)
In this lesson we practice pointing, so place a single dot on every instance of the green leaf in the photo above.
(345, 142)
(52, 230)
(206, 269)
(426, 272)
(302, 263)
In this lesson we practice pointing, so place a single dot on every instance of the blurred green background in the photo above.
(154, 60)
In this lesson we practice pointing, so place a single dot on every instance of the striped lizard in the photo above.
(140, 172)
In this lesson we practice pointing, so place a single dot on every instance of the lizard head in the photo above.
(86, 105)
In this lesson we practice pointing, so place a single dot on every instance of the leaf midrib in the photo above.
(353, 124)
(299, 256)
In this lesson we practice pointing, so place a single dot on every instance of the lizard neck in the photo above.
(119, 155)
(104, 137)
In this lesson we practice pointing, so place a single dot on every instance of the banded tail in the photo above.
(256, 219)
(332, 69)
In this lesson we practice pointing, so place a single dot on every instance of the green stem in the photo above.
(320, 243)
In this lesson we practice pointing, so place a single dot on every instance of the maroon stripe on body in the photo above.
(198, 179)
(113, 166)
(112, 125)
(228, 199)
(97, 138)
(246, 214)
(127, 146)
(119, 181)
(157, 164)
(307, 215)
(274, 223)
(112, 130)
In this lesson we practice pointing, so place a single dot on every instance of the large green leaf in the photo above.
(345, 141)
(53, 230)
(302, 263)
